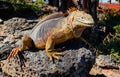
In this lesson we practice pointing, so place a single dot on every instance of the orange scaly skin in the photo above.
(47, 34)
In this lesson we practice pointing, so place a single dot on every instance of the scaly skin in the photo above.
(54, 31)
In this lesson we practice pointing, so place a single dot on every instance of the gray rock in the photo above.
(1, 45)
(9, 40)
(4, 51)
(1, 38)
(73, 63)
(105, 61)
(15, 22)
(1, 21)
(16, 25)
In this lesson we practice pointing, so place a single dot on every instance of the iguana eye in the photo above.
(82, 17)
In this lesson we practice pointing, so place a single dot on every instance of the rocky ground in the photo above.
(77, 59)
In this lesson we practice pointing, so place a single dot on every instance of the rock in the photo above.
(2, 34)
(1, 21)
(9, 40)
(1, 38)
(15, 22)
(105, 72)
(2, 74)
(1, 45)
(105, 66)
(105, 61)
(73, 63)
(4, 51)
(16, 25)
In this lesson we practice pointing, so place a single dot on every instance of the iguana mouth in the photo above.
(87, 24)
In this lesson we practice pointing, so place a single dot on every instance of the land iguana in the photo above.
(52, 31)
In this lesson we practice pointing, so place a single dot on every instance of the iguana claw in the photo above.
(55, 55)
(13, 52)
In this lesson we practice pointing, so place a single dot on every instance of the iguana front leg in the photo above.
(57, 38)
(26, 42)
(50, 49)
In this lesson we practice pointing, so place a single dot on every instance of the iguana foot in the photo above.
(13, 52)
(55, 55)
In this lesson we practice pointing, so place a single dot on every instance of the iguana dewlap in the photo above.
(54, 31)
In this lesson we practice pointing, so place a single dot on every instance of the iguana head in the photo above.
(80, 18)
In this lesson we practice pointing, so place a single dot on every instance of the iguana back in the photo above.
(43, 30)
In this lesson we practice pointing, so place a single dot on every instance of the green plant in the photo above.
(15, 1)
(110, 38)
(117, 29)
